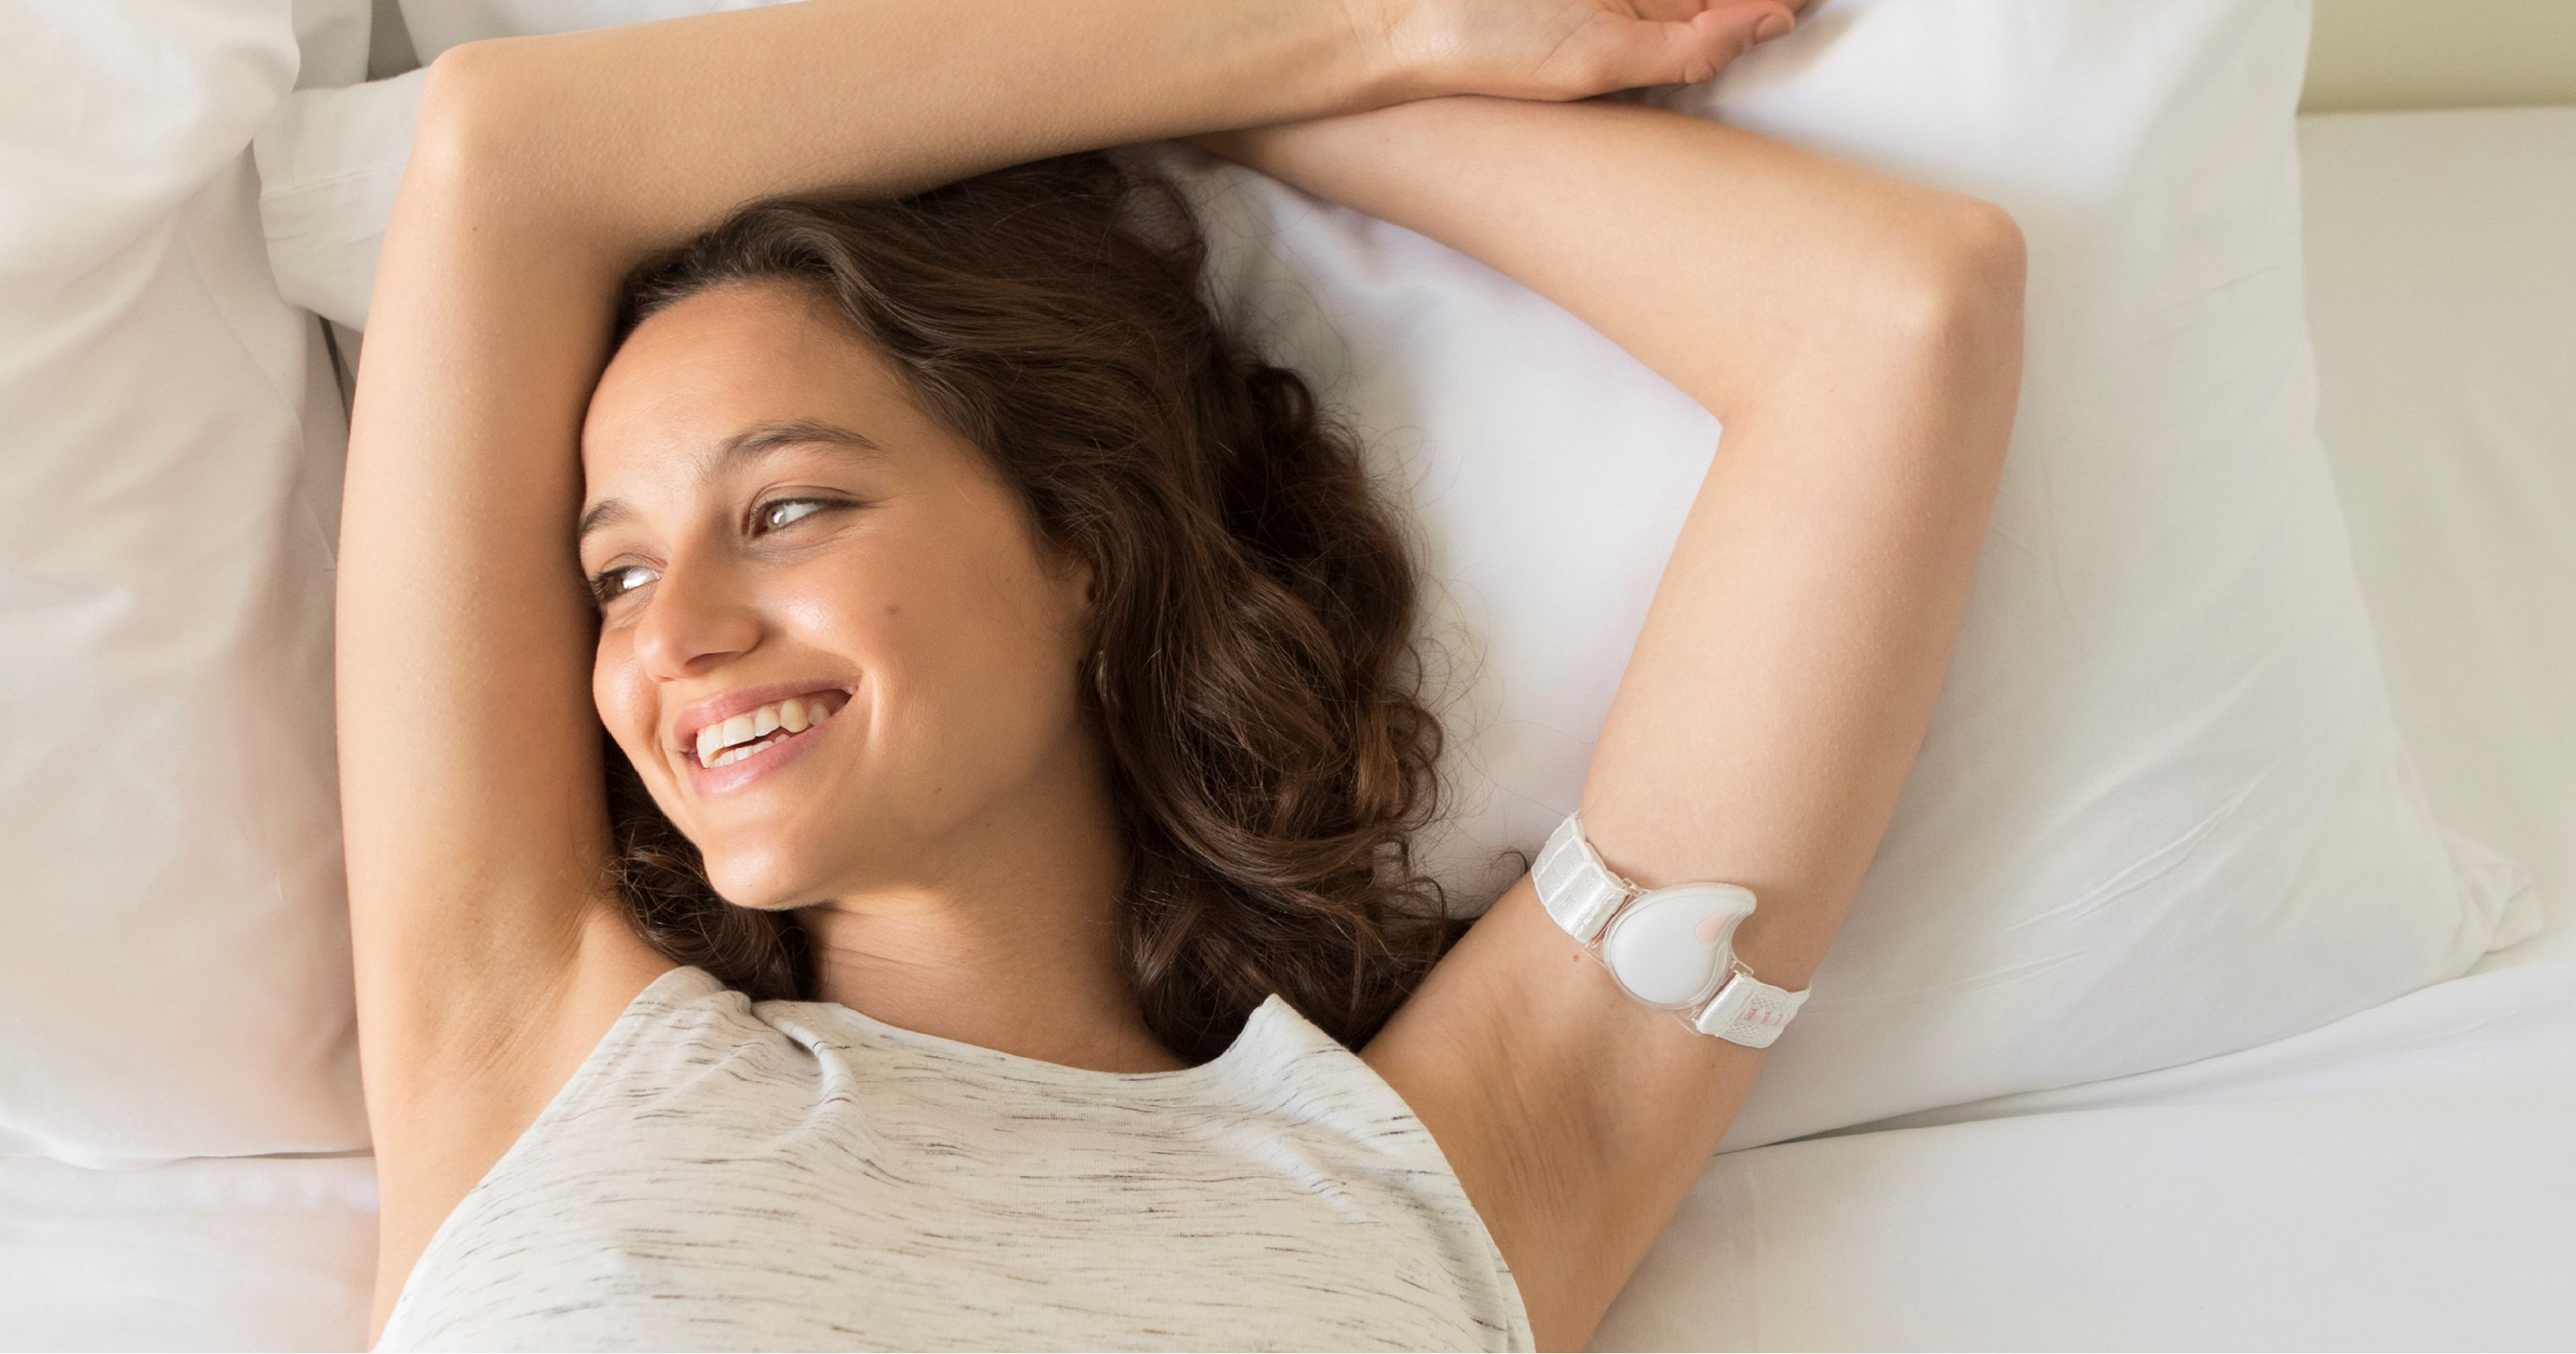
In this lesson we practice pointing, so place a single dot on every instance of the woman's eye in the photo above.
(612, 584)
(786, 511)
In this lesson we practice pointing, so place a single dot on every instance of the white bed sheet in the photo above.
(2401, 1178)
(246, 1253)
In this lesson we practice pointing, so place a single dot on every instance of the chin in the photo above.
(765, 880)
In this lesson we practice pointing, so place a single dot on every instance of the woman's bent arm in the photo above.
(1861, 339)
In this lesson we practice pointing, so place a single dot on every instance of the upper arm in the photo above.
(1786, 672)
(488, 955)
(1760, 736)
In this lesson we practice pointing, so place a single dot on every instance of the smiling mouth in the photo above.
(728, 741)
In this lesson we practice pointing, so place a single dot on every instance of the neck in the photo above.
(1011, 945)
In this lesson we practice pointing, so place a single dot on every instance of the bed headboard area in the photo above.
(2392, 54)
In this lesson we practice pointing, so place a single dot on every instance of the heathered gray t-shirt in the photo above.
(725, 1174)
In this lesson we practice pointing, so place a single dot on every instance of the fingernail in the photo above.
(1773, 25)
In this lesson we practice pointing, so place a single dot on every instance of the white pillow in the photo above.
(436, 25)
(174, 976)
(2443, 295)
(329, 161)
(2161, 813)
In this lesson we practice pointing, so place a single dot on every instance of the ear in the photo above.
(1077, 594)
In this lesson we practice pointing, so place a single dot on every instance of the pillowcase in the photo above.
(174, 978)
(329, 162)
(2161, 812)
(436, 25)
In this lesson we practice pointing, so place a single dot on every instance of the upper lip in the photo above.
(743, 700)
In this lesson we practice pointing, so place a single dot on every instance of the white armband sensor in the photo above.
(1672, 948)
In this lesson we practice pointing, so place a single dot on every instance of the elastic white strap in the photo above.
(1748, 1011)
(1582, 895)
(1574, 886)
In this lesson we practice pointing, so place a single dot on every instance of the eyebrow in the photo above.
(750, 444)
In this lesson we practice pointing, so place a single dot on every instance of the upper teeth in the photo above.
(726, 741)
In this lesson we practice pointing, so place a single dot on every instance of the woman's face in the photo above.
(830, 640)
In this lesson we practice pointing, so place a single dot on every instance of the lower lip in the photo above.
(732, 776)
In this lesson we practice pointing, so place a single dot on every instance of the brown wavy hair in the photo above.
(1257, 687)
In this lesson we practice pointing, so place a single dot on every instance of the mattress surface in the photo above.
(247, 1253)
(2397, 1181)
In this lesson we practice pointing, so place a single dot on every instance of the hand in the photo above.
(1568, 49)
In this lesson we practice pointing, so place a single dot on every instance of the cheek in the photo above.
(845, 610)
(972, 622)
(963, 653)
(624, 695)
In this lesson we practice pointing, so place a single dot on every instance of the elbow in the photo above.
(458, 94)
(1963, 278)
(495, 149)
(479, 130)
(1945, 315)
(1988, 261)
(1929, 322)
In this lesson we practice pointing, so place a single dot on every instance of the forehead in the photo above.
(713, 365)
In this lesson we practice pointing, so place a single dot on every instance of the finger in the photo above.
(1690, 51)
(1685, 10)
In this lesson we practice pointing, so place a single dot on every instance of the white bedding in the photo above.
(2442, 292)
(2402, 1177)
(243, 1253)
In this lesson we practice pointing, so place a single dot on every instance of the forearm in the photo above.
(1723, 260)
(634, 138)
(1860, 337)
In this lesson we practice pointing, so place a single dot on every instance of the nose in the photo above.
(696, 620)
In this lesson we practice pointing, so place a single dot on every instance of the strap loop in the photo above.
(1576, 888)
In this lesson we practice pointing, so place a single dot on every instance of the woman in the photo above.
(940, 577)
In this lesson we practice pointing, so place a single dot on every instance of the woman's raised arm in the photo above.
(1860, 337)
